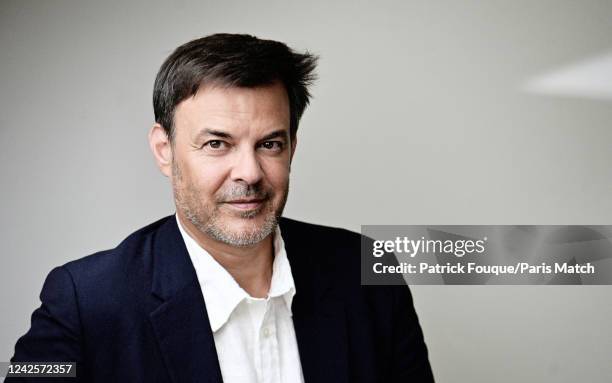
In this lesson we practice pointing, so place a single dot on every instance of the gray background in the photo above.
(425, 113)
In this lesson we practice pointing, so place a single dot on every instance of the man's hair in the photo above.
(233, 60)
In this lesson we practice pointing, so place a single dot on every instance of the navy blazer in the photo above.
(136, 314)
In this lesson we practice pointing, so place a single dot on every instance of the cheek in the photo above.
(206, 179)
(277, 175)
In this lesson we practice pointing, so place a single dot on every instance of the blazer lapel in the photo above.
(180, 322)
(319, 316)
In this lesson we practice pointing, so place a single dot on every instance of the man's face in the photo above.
(231, 161)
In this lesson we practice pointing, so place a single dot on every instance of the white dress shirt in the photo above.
(254, 337)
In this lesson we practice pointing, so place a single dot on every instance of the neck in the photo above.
(250, 266)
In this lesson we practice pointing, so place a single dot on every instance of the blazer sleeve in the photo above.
(411, 363)
(55, 331)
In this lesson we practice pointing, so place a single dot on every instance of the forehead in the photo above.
(234, 107)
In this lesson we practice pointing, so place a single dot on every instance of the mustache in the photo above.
(244, 191)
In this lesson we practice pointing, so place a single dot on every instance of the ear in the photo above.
(161, 147)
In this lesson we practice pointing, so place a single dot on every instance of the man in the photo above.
(226, 289)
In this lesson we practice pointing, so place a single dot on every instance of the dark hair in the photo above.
(232, 60)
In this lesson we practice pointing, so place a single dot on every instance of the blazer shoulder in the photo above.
(333, 246)
(103, 264)
(301, 230)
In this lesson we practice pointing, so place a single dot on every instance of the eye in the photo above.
(273, 145)
(215, 145)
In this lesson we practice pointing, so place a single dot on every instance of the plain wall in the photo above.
(420, 116)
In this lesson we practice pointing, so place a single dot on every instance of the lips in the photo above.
(246, 204)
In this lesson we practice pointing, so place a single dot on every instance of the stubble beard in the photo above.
(210, 220)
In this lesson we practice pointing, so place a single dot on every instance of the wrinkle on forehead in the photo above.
(238, 109)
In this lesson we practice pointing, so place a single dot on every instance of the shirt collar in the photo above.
(221, 291)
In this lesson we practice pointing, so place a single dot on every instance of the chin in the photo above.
(242, 231)
(242, 224)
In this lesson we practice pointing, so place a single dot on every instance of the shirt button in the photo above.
(266, 332)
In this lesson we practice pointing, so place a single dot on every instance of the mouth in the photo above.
(246, 204)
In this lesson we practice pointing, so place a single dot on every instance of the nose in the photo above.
(247, 167)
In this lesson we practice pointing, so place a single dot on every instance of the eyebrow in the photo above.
(219, 133)
(276, 134)
(213, 132)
